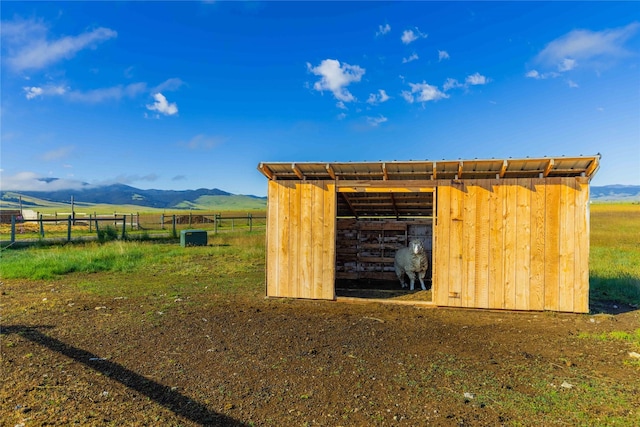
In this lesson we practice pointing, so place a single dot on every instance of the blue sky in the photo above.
(185, 95)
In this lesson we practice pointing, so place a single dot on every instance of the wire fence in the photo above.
(81, 226)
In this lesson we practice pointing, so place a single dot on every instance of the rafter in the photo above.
(297, 171)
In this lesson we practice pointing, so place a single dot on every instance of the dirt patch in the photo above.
(215, 359)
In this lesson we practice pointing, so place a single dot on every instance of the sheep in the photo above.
(411, 261)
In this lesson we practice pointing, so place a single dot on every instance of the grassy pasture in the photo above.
(614, 260)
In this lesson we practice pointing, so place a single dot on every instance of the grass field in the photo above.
(614, 261)
(614, 258)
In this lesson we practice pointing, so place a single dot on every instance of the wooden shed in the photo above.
(501, 233)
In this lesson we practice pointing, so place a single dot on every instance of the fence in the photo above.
(81, 226)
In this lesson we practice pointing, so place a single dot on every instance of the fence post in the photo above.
(69, 228)
(189, 219)
(41, 227)
(90, 223)
(250, 222)
(115, 220)
(124, 225)
(97, 228)
(162, 222)
(215, 223)
(232, 221)
(13, 228)
(175, 234)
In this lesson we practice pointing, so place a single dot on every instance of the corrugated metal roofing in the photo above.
(430, 170)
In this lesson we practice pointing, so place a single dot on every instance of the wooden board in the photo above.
(301, 239)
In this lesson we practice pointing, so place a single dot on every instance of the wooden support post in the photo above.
(90, 224)
(250, 222)
(162, 222)
(124, 226)
(97, 228)
(41, 227)
(13, 228)
(174, 232)
(69, 221)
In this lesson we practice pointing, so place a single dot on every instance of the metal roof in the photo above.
(410, 204)
(434, 169)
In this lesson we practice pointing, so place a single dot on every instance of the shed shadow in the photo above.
(176, 402)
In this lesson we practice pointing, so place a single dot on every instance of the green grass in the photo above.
(615, 253)
(232, 262)
(614, 261)
(47, 263)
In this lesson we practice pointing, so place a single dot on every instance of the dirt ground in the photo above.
(220, 359)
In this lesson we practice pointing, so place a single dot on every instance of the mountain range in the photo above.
(120, 194)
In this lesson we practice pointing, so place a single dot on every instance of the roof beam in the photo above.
(351, 208)
(266, 171)
(330, 171)
(548, 168)
(459, 174)
(435, 170)
(385, 176)
(592, 167)
(297, 171)
(503, 169)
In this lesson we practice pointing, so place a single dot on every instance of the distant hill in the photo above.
(120, 194)
(616, 193)
(208, 199)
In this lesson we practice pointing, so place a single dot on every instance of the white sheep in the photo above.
(410, 261)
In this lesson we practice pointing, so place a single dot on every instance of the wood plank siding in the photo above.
(517, 244)
(301, 217)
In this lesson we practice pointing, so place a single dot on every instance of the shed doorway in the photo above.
(371, 225)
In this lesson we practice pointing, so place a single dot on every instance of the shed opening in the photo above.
(371, 226)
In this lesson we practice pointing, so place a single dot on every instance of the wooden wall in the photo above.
(301, 217)
(518, 244)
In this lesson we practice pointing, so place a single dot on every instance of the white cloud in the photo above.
(423, 92)
(203, 142)
(413, 57)
(451, 84)
(341, 105)
(376, 121)
(383, 29)
(534, 74)
(572, 84)
(378, 98)
(28, 47)
(168, 85)
(161, 105)
(567, 65)
(335, 77)
(31, 181)
(443, 54)
(476, 79)
(586, 47)
(341, 116)
(32, 92)
(110, 93)
(409, 36)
